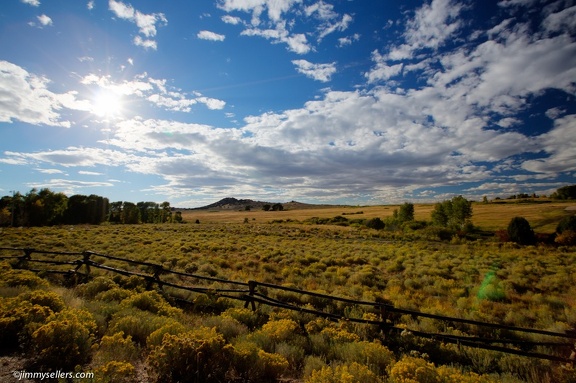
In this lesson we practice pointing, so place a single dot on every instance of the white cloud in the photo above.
(145, 43)
(344, 41)
(331, 27)
(90, 5)
(432, 25)
(554, 113)
(515, 3)
(330, 21)
(69, 187)
(231, 20)
(521, 67)
(146, 23)
(324, 10)
(171, 103)
(212, 36)
(25, 97)
(382, 71)
(154, 91)
(283, 17)
(140, 86)
(256, 7)
(122, 10)
(86, 59)
(508, 122)
(75, 156)
(505, 189)
(44, 20)
(559, 146)
(50, 171)
(297, 43)
(319, 72)
(34, 3)
(493, 78)
(212, 103)
(561, 21)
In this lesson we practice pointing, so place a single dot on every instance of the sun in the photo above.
(107, 104)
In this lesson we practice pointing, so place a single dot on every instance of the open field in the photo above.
(485, 280)
(543, 216)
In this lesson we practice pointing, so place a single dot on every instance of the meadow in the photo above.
(543, 215)
(123, 328)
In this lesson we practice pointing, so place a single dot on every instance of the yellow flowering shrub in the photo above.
(251, 363)
(242, 315)
(115, 294)
(199, 355)
(371, 354)
(152, 302)
(136, 323)
(316, 325)
(18, 320)
(116, 348)
(338, 335)
(280, 330)
(172, 327)
(454, 375)
(414, 370)
(274, 364)
(97, 285)
(65, 340)
(227, 326)
(43, 298)
(20, 278)
(115, 372)
(346, 373)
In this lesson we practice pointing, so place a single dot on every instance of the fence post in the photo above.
(23, 260)
(387, 320)
(252, 289)
(86, 262)
(158, 270)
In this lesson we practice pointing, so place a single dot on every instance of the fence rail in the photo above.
(249, 293)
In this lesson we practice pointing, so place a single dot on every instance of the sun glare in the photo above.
(107, 104)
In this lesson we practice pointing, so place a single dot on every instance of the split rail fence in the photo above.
(254, 293)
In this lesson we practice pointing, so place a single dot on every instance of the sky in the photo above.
(320, 101)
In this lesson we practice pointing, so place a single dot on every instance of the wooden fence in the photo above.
(254, 293)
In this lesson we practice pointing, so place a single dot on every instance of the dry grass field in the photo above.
(543, 216)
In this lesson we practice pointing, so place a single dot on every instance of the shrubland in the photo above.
(115, 326)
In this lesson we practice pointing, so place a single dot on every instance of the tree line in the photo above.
(46, 208)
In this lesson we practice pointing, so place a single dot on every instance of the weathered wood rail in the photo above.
(249, 292)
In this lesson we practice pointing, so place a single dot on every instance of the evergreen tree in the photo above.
(519, 231)
(375, 223)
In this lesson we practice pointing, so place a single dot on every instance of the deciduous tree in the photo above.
(406, 212)
(455, 213)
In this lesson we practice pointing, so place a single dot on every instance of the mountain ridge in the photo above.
(231, 203)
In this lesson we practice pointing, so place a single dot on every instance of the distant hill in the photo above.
(231, 203)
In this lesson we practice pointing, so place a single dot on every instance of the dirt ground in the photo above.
(9, 368)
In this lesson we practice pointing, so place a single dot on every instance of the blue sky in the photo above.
(336, 101)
